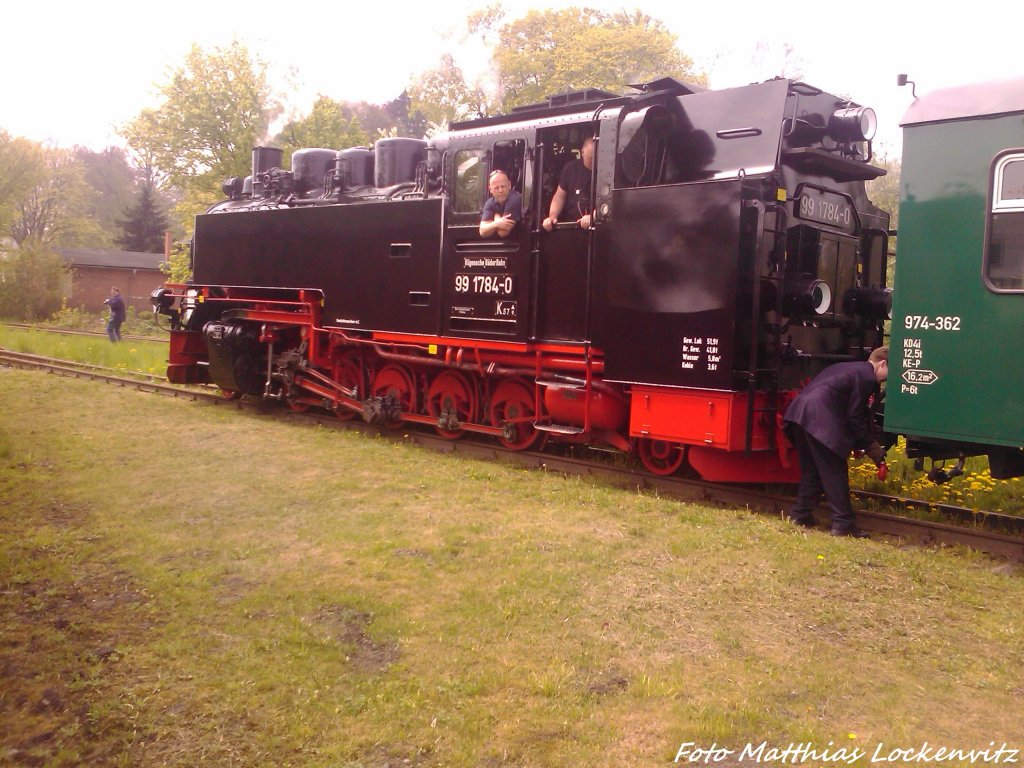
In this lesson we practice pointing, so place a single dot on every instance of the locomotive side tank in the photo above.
(733, 253)
(957, 357)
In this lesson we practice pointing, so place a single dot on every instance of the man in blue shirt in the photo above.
(503, 209)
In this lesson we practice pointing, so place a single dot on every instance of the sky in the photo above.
(73, 72)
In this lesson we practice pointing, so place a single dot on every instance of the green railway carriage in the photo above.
(956, 370)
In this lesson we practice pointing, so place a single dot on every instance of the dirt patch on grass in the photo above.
(348, 627)
(62, 648)
(604, 682)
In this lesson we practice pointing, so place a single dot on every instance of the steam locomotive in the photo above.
(731, 254)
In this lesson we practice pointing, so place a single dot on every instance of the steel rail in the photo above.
(74, 369)
(76, 332)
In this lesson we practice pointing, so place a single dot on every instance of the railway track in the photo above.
(72, 332)
(989, 532)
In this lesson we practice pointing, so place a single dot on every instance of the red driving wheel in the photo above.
(395, 381)
(512, 408)
(452, 395)
(348, 372)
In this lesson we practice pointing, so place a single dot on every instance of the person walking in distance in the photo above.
(116, 304)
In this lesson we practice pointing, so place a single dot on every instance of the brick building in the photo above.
(95, 270)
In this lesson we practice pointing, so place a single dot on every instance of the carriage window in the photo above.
(470, 181)
(1004, 251)
(1010, 176)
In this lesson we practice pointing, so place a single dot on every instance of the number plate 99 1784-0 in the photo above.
(486, 285)
(829, 208)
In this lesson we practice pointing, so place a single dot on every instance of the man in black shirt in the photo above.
(573, 194)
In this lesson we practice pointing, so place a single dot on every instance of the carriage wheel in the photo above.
(512, 405)
(451, 393)
(396, 381)
(661, 457)
(348, 372)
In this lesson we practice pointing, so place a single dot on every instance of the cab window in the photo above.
(510, 157)
(642, 145)
(470, 181)
(1004, 249)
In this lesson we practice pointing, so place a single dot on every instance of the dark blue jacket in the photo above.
(116, 308)
(833, 408)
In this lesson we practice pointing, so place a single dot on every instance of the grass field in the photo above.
(186, 584)
(129, 355)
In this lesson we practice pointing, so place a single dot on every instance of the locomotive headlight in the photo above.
(853, 124)
(162, 299)
(807, 296)
(819, 296)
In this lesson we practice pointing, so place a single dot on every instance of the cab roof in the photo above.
(996, 97)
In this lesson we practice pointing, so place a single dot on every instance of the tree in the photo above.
(442, 95)
(144, 224)
(885, 190)
(178, 267)
(215, 109)
(375, 118)
(551, 51)
(327, 125)
(44, 203)
(112, 181)
(22, 167)
(54, 211)
(406, 120)
(885, 193)
(33, 281)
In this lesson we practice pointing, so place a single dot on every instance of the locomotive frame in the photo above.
(733, 254)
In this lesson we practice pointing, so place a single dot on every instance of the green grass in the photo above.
(135, 324)
(129, 355)
(190, 585)
(975, 489)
